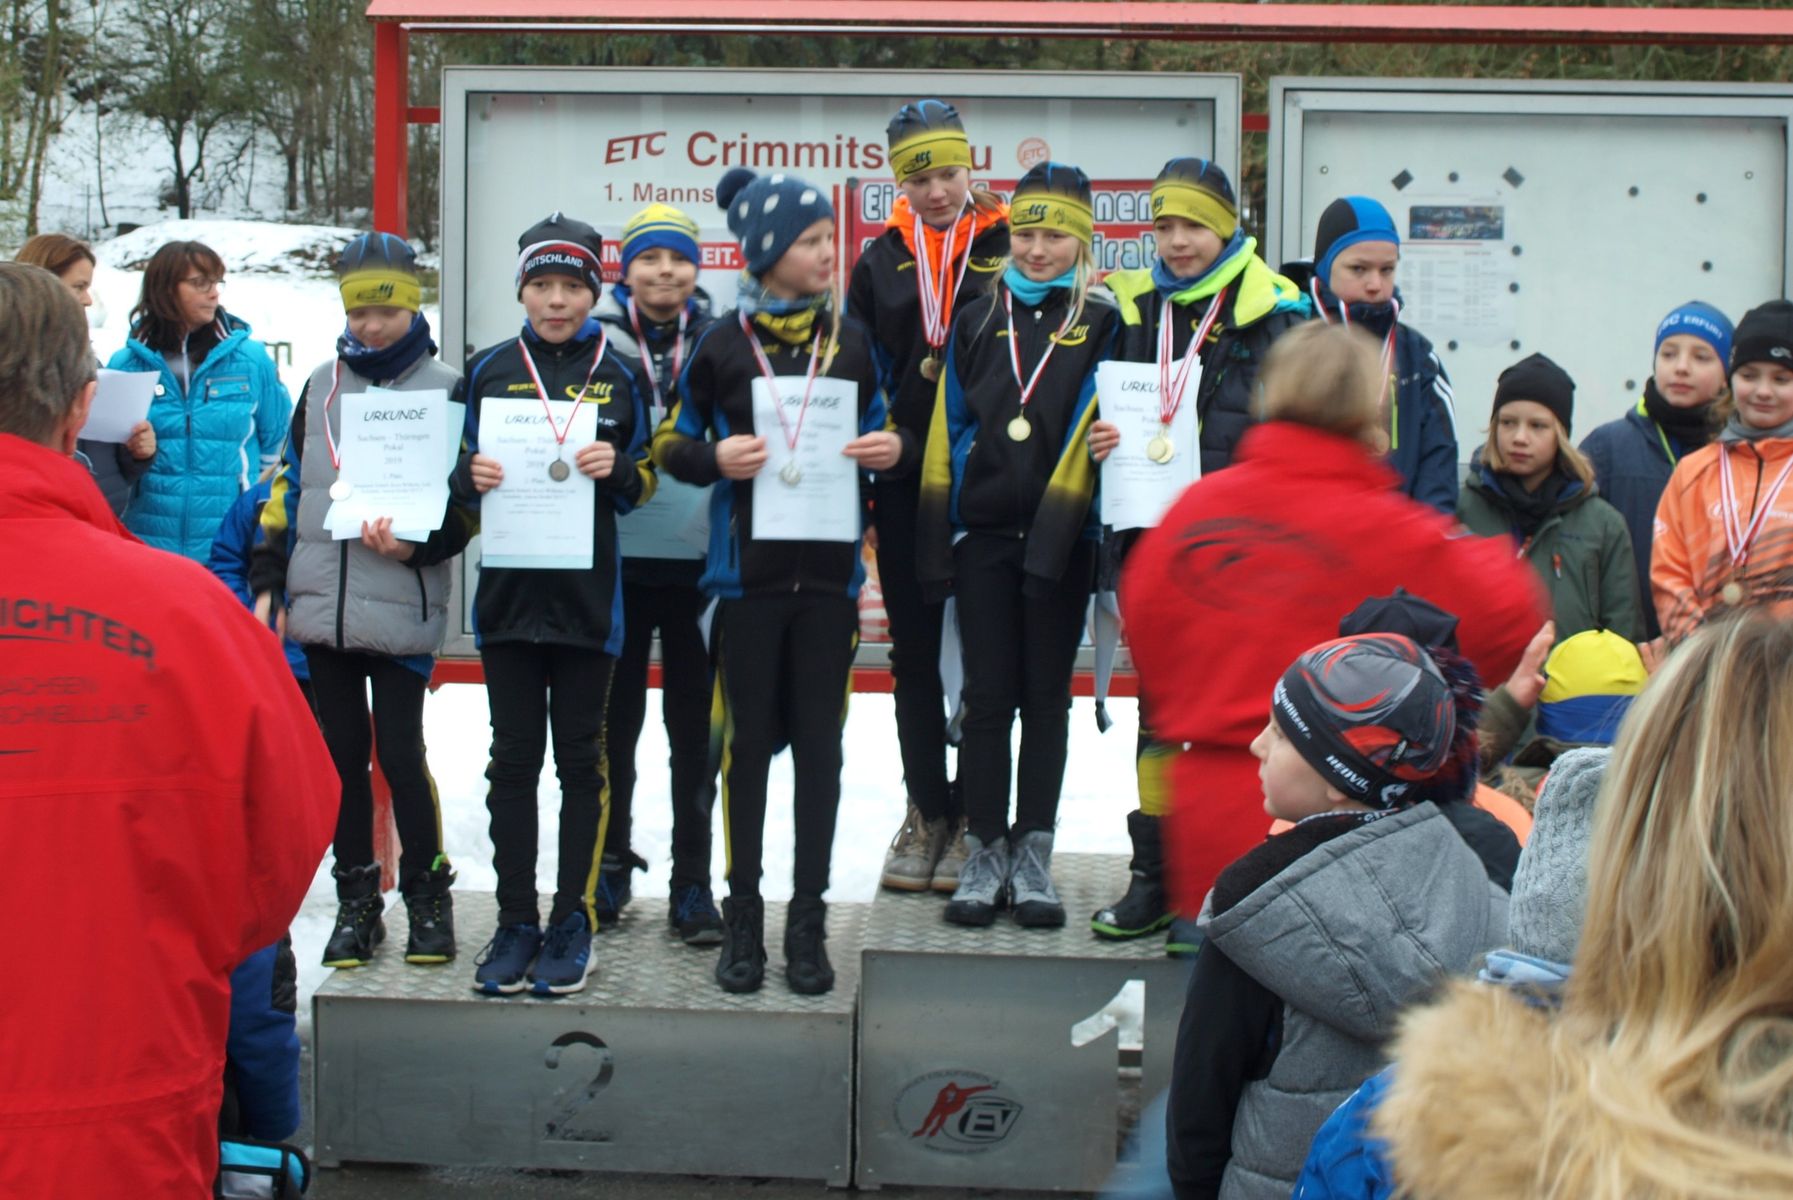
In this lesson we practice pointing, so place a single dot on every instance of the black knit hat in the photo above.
(1196, 189)
(1764, 335)
(1541, 381)
(1372, 714)
(560, 245)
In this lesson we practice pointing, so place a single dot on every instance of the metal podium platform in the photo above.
(652, 1068)
(994, 1057)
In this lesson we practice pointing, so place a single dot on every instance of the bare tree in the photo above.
(34, 66)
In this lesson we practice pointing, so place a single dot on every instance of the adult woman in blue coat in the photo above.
(220, 412)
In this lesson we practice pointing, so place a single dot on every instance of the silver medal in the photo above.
(342, 489)
(791, 474)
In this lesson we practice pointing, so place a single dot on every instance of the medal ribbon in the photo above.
(647, 355)
(1170, 391)
(1388, 343)
(791, 435)
(560, 435)
(1738, 538)
(1008, 305)
(936, 302)
(330, 438)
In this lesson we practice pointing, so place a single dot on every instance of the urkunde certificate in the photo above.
(808, 491)
(392, 447)
(541, 516)
(1156, 459)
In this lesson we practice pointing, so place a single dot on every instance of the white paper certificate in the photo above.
(674, 524)
(123, 399)
(532, 519)
(1135, 490)
(392, 446)
(823, 505)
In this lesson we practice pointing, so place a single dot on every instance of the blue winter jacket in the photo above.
(213, 441)
(261, 1050)
(238, 535)
(1633, 458)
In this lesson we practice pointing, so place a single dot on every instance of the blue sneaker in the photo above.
(566, 958)
(504, 963)
(693, 916)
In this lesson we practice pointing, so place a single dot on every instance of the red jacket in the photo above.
(165, 798)
(1257, 563)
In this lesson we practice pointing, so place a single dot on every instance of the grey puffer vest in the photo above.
(1348, 936)
(341, 594)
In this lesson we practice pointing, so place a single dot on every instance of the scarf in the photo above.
(1028, 291)
(1235, 256)
(388, 362)
(1529, 510)
(792, 321)
(1689, 428)
(1736, 431)
(1376, 318)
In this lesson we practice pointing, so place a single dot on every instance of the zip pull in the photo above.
(1556, 561)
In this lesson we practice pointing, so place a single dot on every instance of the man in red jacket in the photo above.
(1256, 563)
(164, 801)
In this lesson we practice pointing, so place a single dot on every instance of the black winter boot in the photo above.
(742, 967)
(359, 925)
(1143, 909)
(806, 966)
(431, 909)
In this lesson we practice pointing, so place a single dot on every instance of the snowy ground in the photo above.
(278, 280)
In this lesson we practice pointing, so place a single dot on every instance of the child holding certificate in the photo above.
(1204, 315)
(369, 611)
(655, 316)
(945, 243)
(554, 446)
(1006, 520)
(779, 407)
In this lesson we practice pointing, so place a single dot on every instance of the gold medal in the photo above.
(930, 368)
(1733, 593)
(1161, 449)
(1020, 430)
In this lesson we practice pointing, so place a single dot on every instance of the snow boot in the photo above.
(952, 859)
(1143, 909)
(910, 861)
(1036, 901)
(431, 910)
(806, 966)
(614, 892)
(983, 884)
(360, 925)
(742, 967)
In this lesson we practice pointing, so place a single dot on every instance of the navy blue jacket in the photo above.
(238, 535)
(261, 1051)
(1632, 465)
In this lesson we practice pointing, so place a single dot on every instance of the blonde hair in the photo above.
(1683, 983)
(1328, 377)
(1083, 274)
(1573, 462)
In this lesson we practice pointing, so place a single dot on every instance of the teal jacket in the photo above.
(213, 439)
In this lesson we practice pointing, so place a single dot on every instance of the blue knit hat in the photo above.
(1698, 319)
(660, 225)
(767, 213)
(1346, 222)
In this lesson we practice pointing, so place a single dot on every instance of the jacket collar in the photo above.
(44, 485)
(1314, 452)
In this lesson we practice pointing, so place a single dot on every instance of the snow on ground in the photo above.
(1099, 792)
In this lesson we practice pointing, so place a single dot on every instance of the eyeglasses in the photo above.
(202, 283)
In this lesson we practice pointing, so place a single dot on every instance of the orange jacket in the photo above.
(1690, 563)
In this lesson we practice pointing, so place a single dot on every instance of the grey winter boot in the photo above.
(1030, 882)
(983, 884)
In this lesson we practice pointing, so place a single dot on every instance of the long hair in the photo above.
(158, 320)
(1082, 275)
(1684, 976)
(54, 252)
(1571, 461)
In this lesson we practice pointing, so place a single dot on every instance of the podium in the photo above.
(653, 1068)
(999, 1057)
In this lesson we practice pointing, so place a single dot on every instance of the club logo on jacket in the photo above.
(988, 266)
(598, 391)
(956, 1112)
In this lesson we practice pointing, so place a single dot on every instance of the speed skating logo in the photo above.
(956, 1112)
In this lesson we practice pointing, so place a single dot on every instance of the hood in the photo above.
(1394, 906)
(234, 329)
(1487, 1103)
(44, 485)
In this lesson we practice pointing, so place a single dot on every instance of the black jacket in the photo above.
(715, 401)
(882, 296)
(564, 607)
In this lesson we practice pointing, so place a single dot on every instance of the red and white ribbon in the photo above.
(647, 355)
(1008, 305)
(791, 434)
(1170, 390)
(560, 434)
(1739, 539)
(936, 305)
